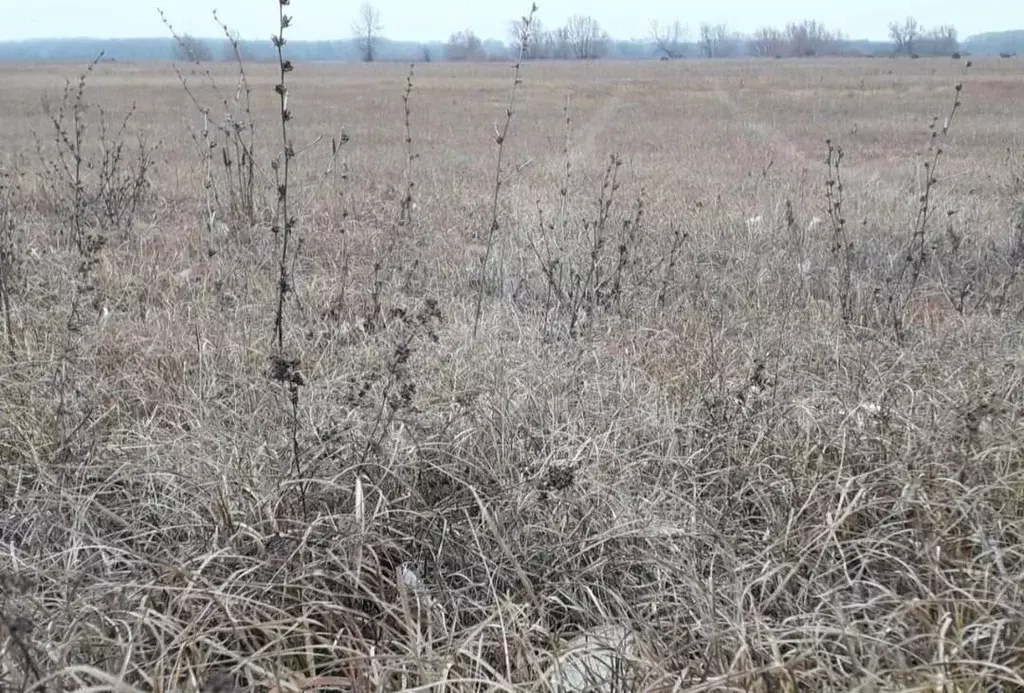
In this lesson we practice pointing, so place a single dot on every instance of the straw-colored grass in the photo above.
(663, 427)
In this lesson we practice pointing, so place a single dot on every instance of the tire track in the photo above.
(770, 135)
(592, 135)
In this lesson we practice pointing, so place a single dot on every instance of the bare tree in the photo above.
(547, 45)
(705, 40)
(896, 36)
(714, 40)
(560, 44)
(905, 35)
(669, 38)
(941, 40)
(366, 29)
(810, 37)
(531, 35)
(585, 37)
(768, 42)
(464, 46)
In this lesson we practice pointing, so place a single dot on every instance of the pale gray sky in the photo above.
(437, 19)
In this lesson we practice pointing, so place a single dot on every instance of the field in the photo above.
(689, 393)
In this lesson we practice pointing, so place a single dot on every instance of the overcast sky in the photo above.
(421, 20)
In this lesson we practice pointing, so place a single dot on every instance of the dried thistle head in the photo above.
(284, 370)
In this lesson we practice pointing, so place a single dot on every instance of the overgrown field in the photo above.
(691, 374)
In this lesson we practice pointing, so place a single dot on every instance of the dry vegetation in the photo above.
(777, 441)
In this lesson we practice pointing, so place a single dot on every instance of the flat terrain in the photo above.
(661, 384)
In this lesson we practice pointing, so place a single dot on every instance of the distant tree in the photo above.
(913, 39)
(810, 37)
(188, 47)
(668, 38)
(585, 37)
(768, 42)
(714, 40)
(541, 44)
(464, 46)
(580, 38)
(905, 35)
(941, 40)
(706, 40)
(558, 45)
(366, 29)
(529, 35)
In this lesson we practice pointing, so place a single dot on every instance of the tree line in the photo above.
(910, 38)
(580, 37)
(583, 38)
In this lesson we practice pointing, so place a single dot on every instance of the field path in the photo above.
(592, 135)
(766, 132)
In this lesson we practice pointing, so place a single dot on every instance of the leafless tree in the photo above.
(532, 35)
(810, 37)
(464, 46)
(585, 37)
(941, 40)
(905, 35)
(366, 29)
(706, 40)
(544, 45)
(669, 38)
(519, 32)
(714, 40)
(557, 45)
(768, 42)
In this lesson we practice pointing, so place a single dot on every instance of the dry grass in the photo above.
(664, 423)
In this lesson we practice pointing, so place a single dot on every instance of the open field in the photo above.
(776, 441)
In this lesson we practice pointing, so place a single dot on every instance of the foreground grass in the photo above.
(765, 497)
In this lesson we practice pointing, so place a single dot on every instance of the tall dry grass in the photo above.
(684, 420)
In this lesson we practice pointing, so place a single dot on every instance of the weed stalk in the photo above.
(10, 258)
(499, 139)
(841, 247)
(915, 255)
(285, 369)
(400, 230)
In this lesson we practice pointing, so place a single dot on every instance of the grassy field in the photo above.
(683, 396)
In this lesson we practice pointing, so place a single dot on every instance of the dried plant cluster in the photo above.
(378, 379)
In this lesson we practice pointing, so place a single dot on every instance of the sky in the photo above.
(419, 20)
